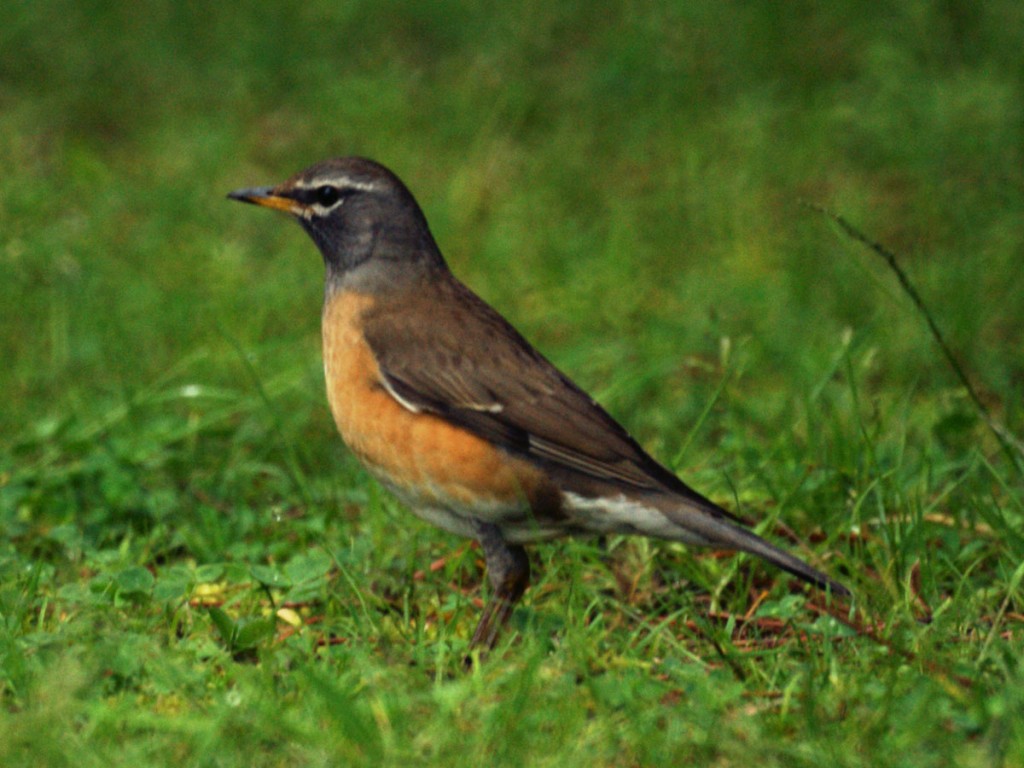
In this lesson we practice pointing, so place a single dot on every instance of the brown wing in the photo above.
(472, 368)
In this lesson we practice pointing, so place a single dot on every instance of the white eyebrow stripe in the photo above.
(345, 183)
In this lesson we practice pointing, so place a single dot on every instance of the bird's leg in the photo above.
(508, 569)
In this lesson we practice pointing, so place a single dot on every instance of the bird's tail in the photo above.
(703, 521)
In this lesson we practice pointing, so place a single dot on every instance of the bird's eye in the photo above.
(327, 195)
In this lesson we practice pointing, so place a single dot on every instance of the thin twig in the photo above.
(1007, 440)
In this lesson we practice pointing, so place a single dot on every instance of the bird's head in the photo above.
(364, 220)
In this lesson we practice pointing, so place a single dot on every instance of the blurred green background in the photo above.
(623, 180)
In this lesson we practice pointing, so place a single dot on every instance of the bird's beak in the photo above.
(268, 198)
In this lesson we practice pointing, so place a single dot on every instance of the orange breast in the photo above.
(429, 461)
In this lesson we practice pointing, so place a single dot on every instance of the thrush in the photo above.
(452, 410)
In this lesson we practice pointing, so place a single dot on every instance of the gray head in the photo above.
(366, 223)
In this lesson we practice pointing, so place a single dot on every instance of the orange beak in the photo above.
(268, 198)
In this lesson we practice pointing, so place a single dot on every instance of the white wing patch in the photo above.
(411, 407)
(486, 408)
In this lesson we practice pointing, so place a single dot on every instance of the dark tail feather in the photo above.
(787, 562)
(702, 520)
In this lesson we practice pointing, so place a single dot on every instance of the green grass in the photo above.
(193, 571)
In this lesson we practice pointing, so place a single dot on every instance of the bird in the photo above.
(458, 415)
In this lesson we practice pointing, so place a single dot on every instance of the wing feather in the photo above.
(471, 367)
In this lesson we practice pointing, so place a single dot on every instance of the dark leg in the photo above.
(508, 568)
